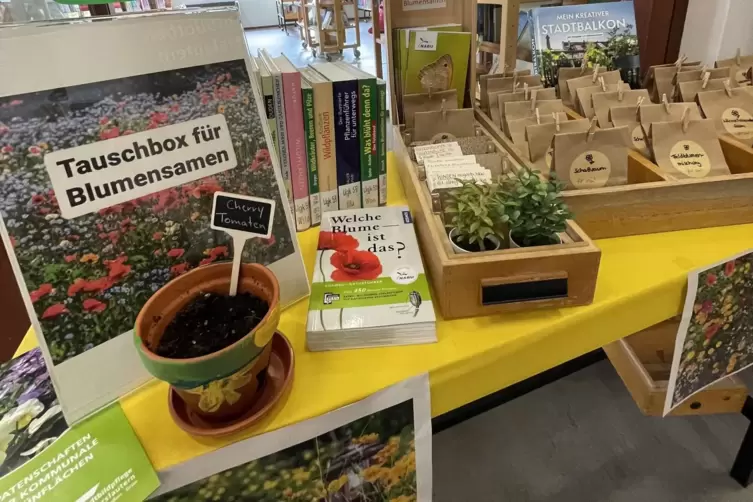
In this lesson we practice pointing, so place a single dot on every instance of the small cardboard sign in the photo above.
(234, 213)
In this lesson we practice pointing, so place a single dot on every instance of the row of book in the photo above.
(329, 127)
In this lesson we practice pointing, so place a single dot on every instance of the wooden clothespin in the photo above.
(665, 102)
(620, 92)
(738, 60)
(556, 120)
(602, 84)
(685, 120)
(444, 111)
(533, 102)
(706, 77)
(596, 73)
(727, 88)
(680, 61)
(638, 108)
(591, 129)
(583, 65)
(538, 117)
(525, 91)
(515, 85)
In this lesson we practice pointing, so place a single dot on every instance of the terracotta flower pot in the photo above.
(221, 385)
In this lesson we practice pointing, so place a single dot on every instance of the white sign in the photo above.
(426, 40)
(424, 4)
(92, 177)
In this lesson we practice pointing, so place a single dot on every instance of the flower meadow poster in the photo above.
(106, 187)
(377, 449)
(715, 338)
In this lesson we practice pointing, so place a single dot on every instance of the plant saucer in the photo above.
(277, 380)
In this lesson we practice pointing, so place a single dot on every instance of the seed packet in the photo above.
(455, 123)
(602, 101)
(690, 75)
(737, 66)
(518, 128)
(610, 77)
(592, 159)
(495, 98)
(584, 96)
(687, 91)
(525, 109)
(663, 81)
(731, 110)
(627, 116)
(565, 74)
(413, 103)
(507, 84)
(666, 112)
(687, 151)
(540, 136)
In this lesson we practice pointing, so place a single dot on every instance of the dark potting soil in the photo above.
(489, 245)
(210, 323)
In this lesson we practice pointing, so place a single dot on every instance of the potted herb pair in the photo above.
(520, 210)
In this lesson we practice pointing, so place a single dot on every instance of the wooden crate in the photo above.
(653, 203)
(493, 282)
(643, 361)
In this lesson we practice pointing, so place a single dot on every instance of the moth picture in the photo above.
(436, 76)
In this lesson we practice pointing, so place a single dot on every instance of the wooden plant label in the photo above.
(242, 217)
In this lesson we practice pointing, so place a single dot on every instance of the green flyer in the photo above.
(99, 459)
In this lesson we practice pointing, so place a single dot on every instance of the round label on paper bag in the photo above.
(738, 123)
(690, 158)
(639, 139)
(590, 169)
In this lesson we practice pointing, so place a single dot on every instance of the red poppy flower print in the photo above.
(179, 269)
(54, 311)
(176, 253)
(113, 132)
(99, 285)
(711, 279)
(352, 265)
(711, 331)
(729, 268)
(76, 287)
(38, 293)
(338, 241)
(92, 305)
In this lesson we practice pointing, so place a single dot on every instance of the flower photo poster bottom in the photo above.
(369, 287)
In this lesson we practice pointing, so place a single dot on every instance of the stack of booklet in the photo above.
(369, 287)
(446, 165)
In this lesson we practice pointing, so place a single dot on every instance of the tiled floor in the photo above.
(276, 42)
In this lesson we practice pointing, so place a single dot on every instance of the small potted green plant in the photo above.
(535, 209)
(622, 48)
(475, 216)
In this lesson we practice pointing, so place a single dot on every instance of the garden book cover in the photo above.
(369, 287)
(107, 175)
(376, 449)
(42, 459)
(565, 35)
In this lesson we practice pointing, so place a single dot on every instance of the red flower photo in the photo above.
(337, 241)
(353, 265)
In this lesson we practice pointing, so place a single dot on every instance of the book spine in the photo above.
(367, 133)
(297, 149)
(382, 142)
(345, 96)
(309, 118)
(267, 88)
(532, 26)
(282, 138)
(325, 146)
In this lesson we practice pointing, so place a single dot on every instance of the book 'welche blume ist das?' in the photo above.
(369, 287)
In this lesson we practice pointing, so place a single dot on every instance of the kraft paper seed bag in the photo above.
(610, 77)
(602, 101)
(540, 138)
(458, 123)
(413, 103)
(732, 114)
(601, 160)
(565, 74)
(585, 93)
(737, 67)
(693, 153)
(627, 116)
(659, 113)
(497, 110)
(518, 129)
(523, 109)
(687, 91)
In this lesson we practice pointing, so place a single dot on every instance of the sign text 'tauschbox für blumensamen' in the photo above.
(110, 172)
(241, 213)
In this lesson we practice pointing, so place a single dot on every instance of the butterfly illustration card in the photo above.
(437, 61)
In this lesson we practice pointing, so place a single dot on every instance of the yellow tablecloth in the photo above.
(641, 282)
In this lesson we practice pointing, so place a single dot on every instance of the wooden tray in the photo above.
(492, 282)
(643, 362)
(650, 202)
